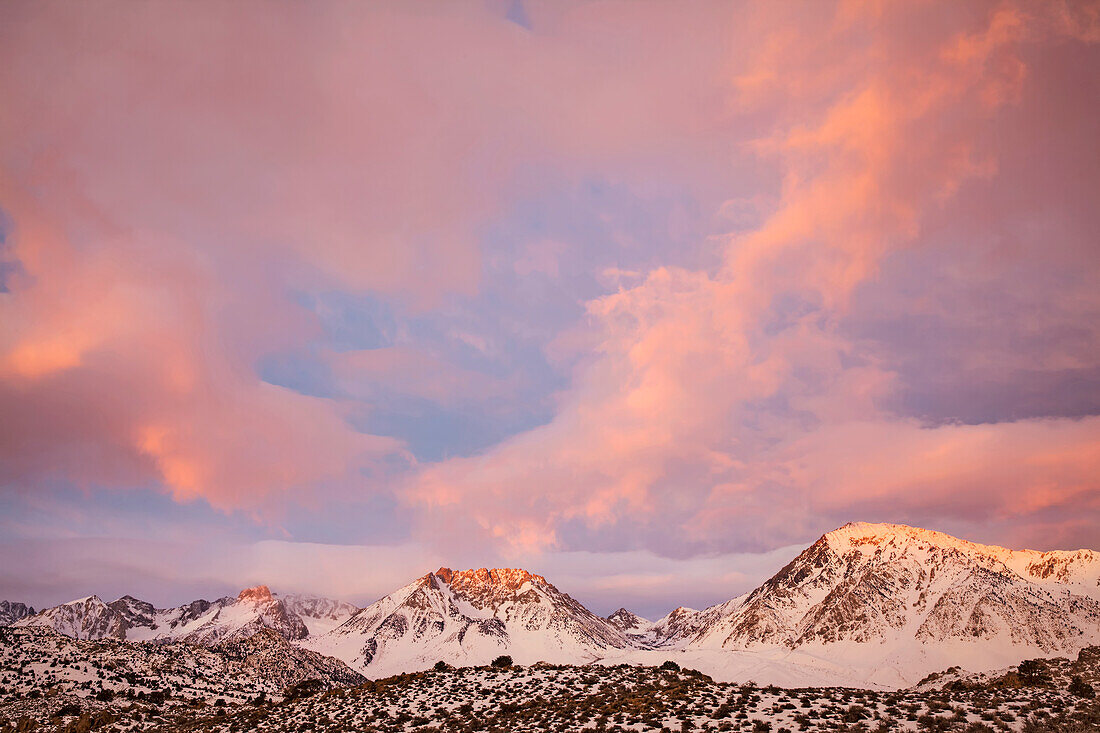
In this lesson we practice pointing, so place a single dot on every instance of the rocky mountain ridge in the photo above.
(878, 603)
(470, 617)
(39, 657)
(199, 622)
(879, 583)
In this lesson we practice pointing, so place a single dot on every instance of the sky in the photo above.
(643, 297)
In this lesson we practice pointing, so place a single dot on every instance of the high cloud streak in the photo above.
(617, 280)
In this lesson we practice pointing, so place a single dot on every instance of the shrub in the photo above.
(670, 666)
(67, 710)
(306, 688)
(502, 661)
(1033, 672)
(1079, 688)
(441, 666)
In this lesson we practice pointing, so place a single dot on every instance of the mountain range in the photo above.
(468, 618)
(867, 604)
(199, 622)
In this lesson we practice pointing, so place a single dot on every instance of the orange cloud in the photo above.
(166, 196)
(165, 202)
(698, 416)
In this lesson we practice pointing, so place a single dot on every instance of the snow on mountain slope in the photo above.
(636, 627)
(11, 611)
(199, 622)
(629, 622)
(320, 615)
(897, 602)
(868, 582)
(264, 662)
(84, 618)
(470, 617)
(866, 604)
(254, 609)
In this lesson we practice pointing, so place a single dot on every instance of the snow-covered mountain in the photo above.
(320, 615)
(237, 670)
(253, 610)
(84, 618)
(672, 629)
(629, 622)
(879, 604)
(470, 617)
(886, 604)
(199, 622)
(866, 604)
(881, 582)
(11, 611)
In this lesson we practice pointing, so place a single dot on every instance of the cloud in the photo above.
(721, 411)
(120, 366)
(175, 180)
(167, 572)
(673, 283)
(171, 573)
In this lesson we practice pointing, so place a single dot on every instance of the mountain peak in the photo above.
(510, 578)
(869, 535)
(471, 617)
(1065, 565)
(256, 594)
(626, 620)
(868, 531)
(865, 582)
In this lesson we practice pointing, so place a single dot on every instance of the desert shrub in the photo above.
(305, 688)
(502, 661)
(1079, 688)
(67, 710)
(670, 666)
(1033, 672)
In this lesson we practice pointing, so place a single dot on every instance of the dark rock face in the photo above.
(134, 612)
(11, 611)
(195, 610)
(625, 620)
(86, 618)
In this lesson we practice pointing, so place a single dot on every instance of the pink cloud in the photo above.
(120, 368)
(173, 174)
(696, 424)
